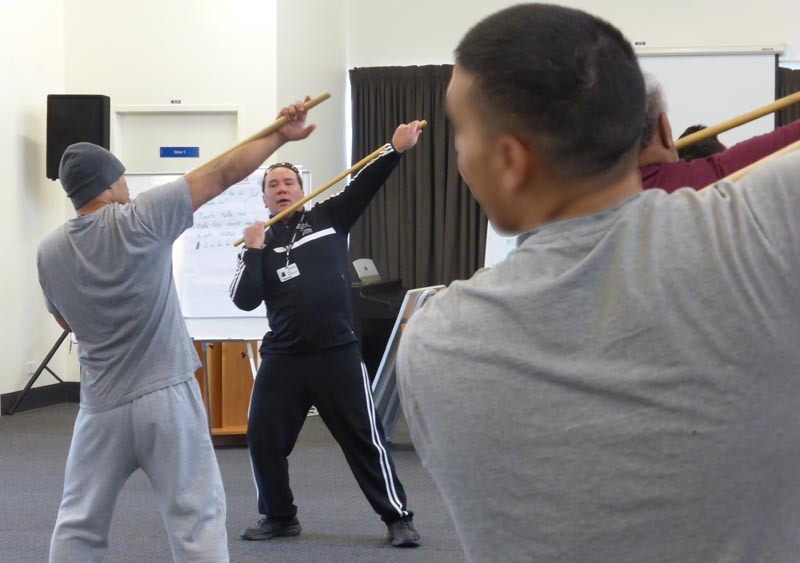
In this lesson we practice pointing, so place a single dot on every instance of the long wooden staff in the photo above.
(739, 174)
(777, 105)
(298, 204)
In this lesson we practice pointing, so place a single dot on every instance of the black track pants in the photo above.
(336, 382)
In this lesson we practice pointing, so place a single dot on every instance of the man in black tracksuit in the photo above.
(310, 356)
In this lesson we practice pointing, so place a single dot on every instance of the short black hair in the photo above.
(287, 165)
(567, 81)
(700, 149)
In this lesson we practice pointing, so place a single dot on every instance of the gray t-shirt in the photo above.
(109, 275)
(624, 387)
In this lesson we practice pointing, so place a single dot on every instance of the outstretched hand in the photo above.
(295, 129)
(406, 136)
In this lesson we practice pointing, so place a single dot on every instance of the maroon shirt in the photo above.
(701, 172)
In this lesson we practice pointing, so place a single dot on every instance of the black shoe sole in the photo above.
(284, 532)
(407, 543)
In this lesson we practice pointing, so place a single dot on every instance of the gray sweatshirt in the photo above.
(624, 387)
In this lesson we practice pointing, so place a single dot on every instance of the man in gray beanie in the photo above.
(107, 276)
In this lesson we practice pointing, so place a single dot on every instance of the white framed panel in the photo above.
(139, 132)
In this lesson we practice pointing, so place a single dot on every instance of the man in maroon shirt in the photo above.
(661, 167)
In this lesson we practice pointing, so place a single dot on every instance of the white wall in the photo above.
(31, 59)
(202, 52)
(31, 51)
(426, 32)
(257, 54)
(312, 59)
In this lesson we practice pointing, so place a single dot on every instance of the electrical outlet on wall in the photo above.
(32, 367)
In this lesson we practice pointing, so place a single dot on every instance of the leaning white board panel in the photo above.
(700, 88)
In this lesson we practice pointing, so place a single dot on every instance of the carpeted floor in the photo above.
(338, 524)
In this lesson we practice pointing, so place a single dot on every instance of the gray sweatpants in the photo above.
(165, 433)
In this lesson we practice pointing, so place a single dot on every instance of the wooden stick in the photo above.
(280, 122)
(777, 105)
(298, 204)
(741, 173)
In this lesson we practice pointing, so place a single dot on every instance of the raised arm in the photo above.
(346, 207)
(701, 172)
(213, 178)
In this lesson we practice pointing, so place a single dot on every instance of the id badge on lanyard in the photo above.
(290, 271)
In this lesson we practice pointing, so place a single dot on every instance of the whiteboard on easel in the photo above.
(204, 258)
(209, 257)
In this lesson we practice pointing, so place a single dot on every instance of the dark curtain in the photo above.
(423, 227)
(788, 83)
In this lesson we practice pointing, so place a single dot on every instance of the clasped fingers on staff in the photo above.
(255, 235)
(406, 135)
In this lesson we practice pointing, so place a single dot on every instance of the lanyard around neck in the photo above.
(294, 237)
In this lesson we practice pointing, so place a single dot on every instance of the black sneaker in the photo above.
(265, 529)
(403, 534)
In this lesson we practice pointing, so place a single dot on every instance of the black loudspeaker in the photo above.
(73, 119)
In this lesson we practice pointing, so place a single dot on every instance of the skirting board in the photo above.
(66, 392)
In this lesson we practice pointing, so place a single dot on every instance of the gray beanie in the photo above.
(86, 171)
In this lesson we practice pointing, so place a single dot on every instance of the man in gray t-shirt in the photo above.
(107, 276)
(111, 274)
(625, 386)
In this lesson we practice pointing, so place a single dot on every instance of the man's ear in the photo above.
(665, 132)
(514, 162)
